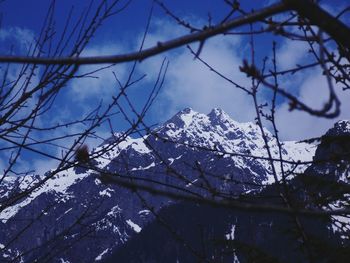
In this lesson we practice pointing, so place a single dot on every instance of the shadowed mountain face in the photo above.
(194, 233)
(74, 217)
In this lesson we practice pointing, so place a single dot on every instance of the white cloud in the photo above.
(310, 86)
(314, 92)
(23, 37)
(291, 53)
(191, 84)
(161, 30)
(101, 84)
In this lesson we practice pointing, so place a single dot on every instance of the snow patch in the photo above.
(99, 257)
(58, 184)
(106, 192)
(111, 149)
(144, 212)
(191, 183)
(115, 210)
(231, 234)
(144, 168)
(66, 212)
(134, 226)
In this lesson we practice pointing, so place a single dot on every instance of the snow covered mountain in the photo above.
(217, 138)
(202, 232)
(76, 217)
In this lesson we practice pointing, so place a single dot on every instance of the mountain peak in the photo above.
(217, 112)
(188, 116)
(219, 117)
(216, 124)
(335, 143)
(182, 119)
(340, 128)
(186, 110)
(212, 144)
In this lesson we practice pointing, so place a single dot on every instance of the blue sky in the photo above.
(187, 84)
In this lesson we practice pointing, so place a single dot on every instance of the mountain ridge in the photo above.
(175, 153)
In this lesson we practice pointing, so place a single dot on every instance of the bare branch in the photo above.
(159, 48)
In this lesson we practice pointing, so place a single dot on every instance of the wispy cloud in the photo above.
(101, 83)
(22, 38)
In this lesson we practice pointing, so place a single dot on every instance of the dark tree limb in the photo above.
(317, 16)
(159, 48)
